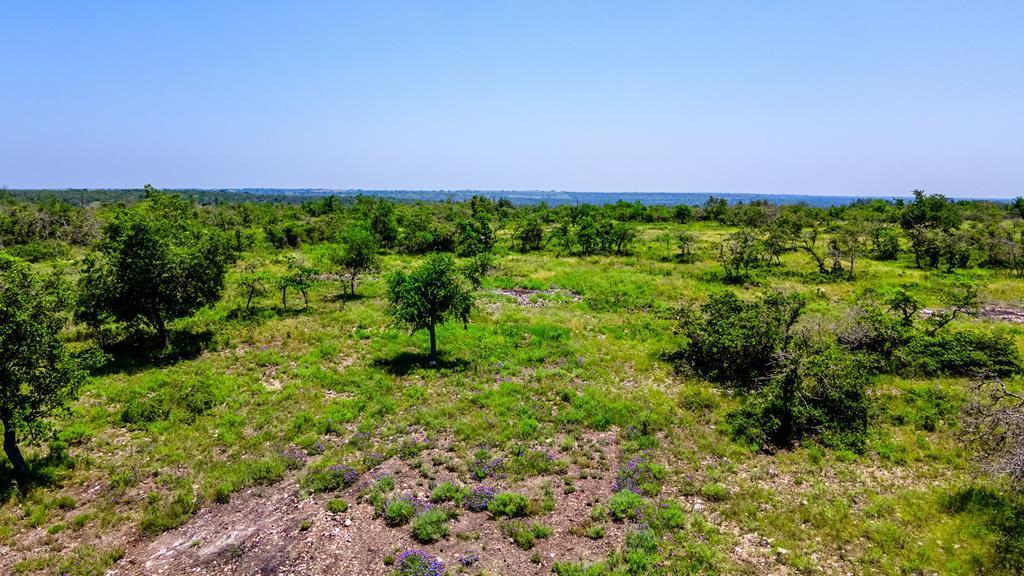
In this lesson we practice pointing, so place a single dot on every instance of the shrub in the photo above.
(823, 396)
(328, 478)
(430, 525)
(715, 492)
(448, 492)
(337, 506)
(479, 498)
(417, 563)
(509, 505)
(524, 535)
(398, 511)
(736, 342)
(640, 475)
(964, 353)
(626, 505)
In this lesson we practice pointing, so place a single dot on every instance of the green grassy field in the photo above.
(522, 392)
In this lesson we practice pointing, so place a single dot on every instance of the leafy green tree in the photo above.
(682, 213)
(358, 254)
(739, 254)
(156, 262)
(253, 282)
(477, 267)
(298, 276)
(821, 394)
(38, 376)
(529, 231)
(475, 235)
(429, 295)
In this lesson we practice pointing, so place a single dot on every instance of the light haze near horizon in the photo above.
(833, 98)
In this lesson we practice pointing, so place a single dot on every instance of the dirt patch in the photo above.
(260, 531)
(1003, 313)
(537, 298)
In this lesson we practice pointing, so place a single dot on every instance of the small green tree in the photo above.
(298, 276)
(37, 374)
(156, 262)
(428, 296)
(252, 282)
(357, 254)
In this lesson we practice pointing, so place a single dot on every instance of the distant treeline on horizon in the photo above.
(553, 198)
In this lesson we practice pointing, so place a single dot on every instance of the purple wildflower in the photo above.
(293, 457)
(479, 498)
(468, 559)
(418, 563)
(635, 474)
(347, 474)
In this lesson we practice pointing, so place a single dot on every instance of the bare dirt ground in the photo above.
(1003, 312)
(535, 298)
(259, 532)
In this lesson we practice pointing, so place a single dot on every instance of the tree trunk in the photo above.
(161, 331)
(14, 456)
(352, 287)
(433, 345)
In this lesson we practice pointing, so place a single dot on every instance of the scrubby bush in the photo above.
(735, 342)
(626, 505)
(963, 353)
(430, 525)
(417, 563)
(398, 511)
(822, 395)
(448, 492)
(509, 505)
(326, 478)
(524, 535)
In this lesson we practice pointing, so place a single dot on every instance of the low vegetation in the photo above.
(579, 390)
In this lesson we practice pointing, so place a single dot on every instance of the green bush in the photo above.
(430, 526)
(736, 342)
(524, 535)
(447, 492)
(822, 396)
(509, 505)
(626, 505)
(398, 511)
(337, 506)
(965, 353)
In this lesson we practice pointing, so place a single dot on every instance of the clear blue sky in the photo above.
(817, 97)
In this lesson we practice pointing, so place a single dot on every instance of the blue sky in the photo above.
(773, 97)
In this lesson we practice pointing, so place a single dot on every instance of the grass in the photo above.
(517, 392)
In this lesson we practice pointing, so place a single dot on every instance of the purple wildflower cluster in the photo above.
(468, 559)
(487, 468)
(479, 498)
(634, 475)
(347, 474)
(418, 563)
(293, 457)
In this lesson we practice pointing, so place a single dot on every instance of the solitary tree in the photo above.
(428, 296)
(156, 262)
(253, 282)
(37, 374)
(298, 276)
(358, 254)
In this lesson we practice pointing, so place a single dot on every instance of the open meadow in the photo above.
(748, 389)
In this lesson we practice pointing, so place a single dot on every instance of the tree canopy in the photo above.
(38, 375)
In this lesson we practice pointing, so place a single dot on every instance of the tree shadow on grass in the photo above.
(406, 362)
(344, 298)
(44, 471)
(136, 353)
